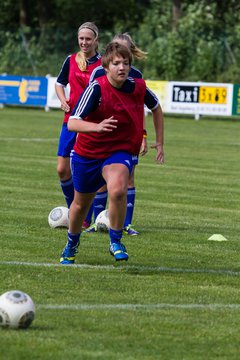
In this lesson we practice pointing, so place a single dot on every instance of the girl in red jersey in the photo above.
(100, 200)
(75, 71)
(109, 121)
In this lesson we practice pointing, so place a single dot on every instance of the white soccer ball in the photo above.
(17, 310)
(102, 221)
(58, 217)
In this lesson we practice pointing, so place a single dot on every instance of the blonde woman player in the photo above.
(75, 71)
(100, 200)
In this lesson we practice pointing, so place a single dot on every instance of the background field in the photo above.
(178, 295)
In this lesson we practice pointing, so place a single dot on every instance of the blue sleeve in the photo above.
(64, 72)
(151, 100)
(135, 73)
(97, 72)
(88, 101)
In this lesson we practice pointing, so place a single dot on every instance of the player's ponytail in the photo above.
(137, 53)
(81, 61)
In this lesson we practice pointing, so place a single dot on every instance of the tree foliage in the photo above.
(185, 39)
(203, 45)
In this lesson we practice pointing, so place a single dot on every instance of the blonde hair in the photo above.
(137, 53)
(80, 58)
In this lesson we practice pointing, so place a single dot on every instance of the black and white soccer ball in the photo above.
(17, 310)
(102, 221)
(58, 217)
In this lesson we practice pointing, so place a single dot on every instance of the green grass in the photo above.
(177, 298)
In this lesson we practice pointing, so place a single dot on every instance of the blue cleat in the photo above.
(68, 254)
(128, 230)
(119, 251)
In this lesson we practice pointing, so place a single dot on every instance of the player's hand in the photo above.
(107, 125)
(144, 147)
(160, 152)
(64, 106)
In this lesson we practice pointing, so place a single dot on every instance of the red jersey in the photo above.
(128, 109)
(78, 80)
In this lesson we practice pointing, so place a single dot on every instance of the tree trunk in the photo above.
(176, 11)
(44, 9)
(23, 13)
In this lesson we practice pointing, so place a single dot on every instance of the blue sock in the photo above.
(89, 214)
(115, 235)
(130, 206)
(68, 191)
(99, 202)
(73, 239)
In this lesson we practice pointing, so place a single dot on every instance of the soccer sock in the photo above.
(115, 235)
(130, 206)
(99, 203)
(89, 214)
(68, 191)
(73, 239)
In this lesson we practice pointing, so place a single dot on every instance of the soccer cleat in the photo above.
(92, 228)
(85, 224)
(119, 251)
(128, 230)
(68, 254)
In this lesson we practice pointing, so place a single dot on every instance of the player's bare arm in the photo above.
(158, 125)
(62, 97)
(107, 125)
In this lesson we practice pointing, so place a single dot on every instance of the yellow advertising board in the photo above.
(212, 95)
(160, 89)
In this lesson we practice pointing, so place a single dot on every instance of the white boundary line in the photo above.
(28, 139)
(139, 268)
(87, 307)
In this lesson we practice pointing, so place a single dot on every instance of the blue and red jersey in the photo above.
(101, 100)
(76, 78)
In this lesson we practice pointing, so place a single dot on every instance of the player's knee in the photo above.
(118, 193)
(102, 189)
(78, 207)
(131, 180)
(63, 172)
(131, 183)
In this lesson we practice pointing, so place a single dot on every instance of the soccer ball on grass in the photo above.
(17, 310)
(58, 217)
(102, 221)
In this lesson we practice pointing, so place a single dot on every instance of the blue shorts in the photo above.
(87, 173)
(66, 141)
(135, 159)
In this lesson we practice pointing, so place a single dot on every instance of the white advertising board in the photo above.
(52, 99)
(199, 98)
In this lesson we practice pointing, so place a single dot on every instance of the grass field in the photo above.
(177, 298)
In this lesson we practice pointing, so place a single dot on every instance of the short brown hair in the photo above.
(115, 49)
